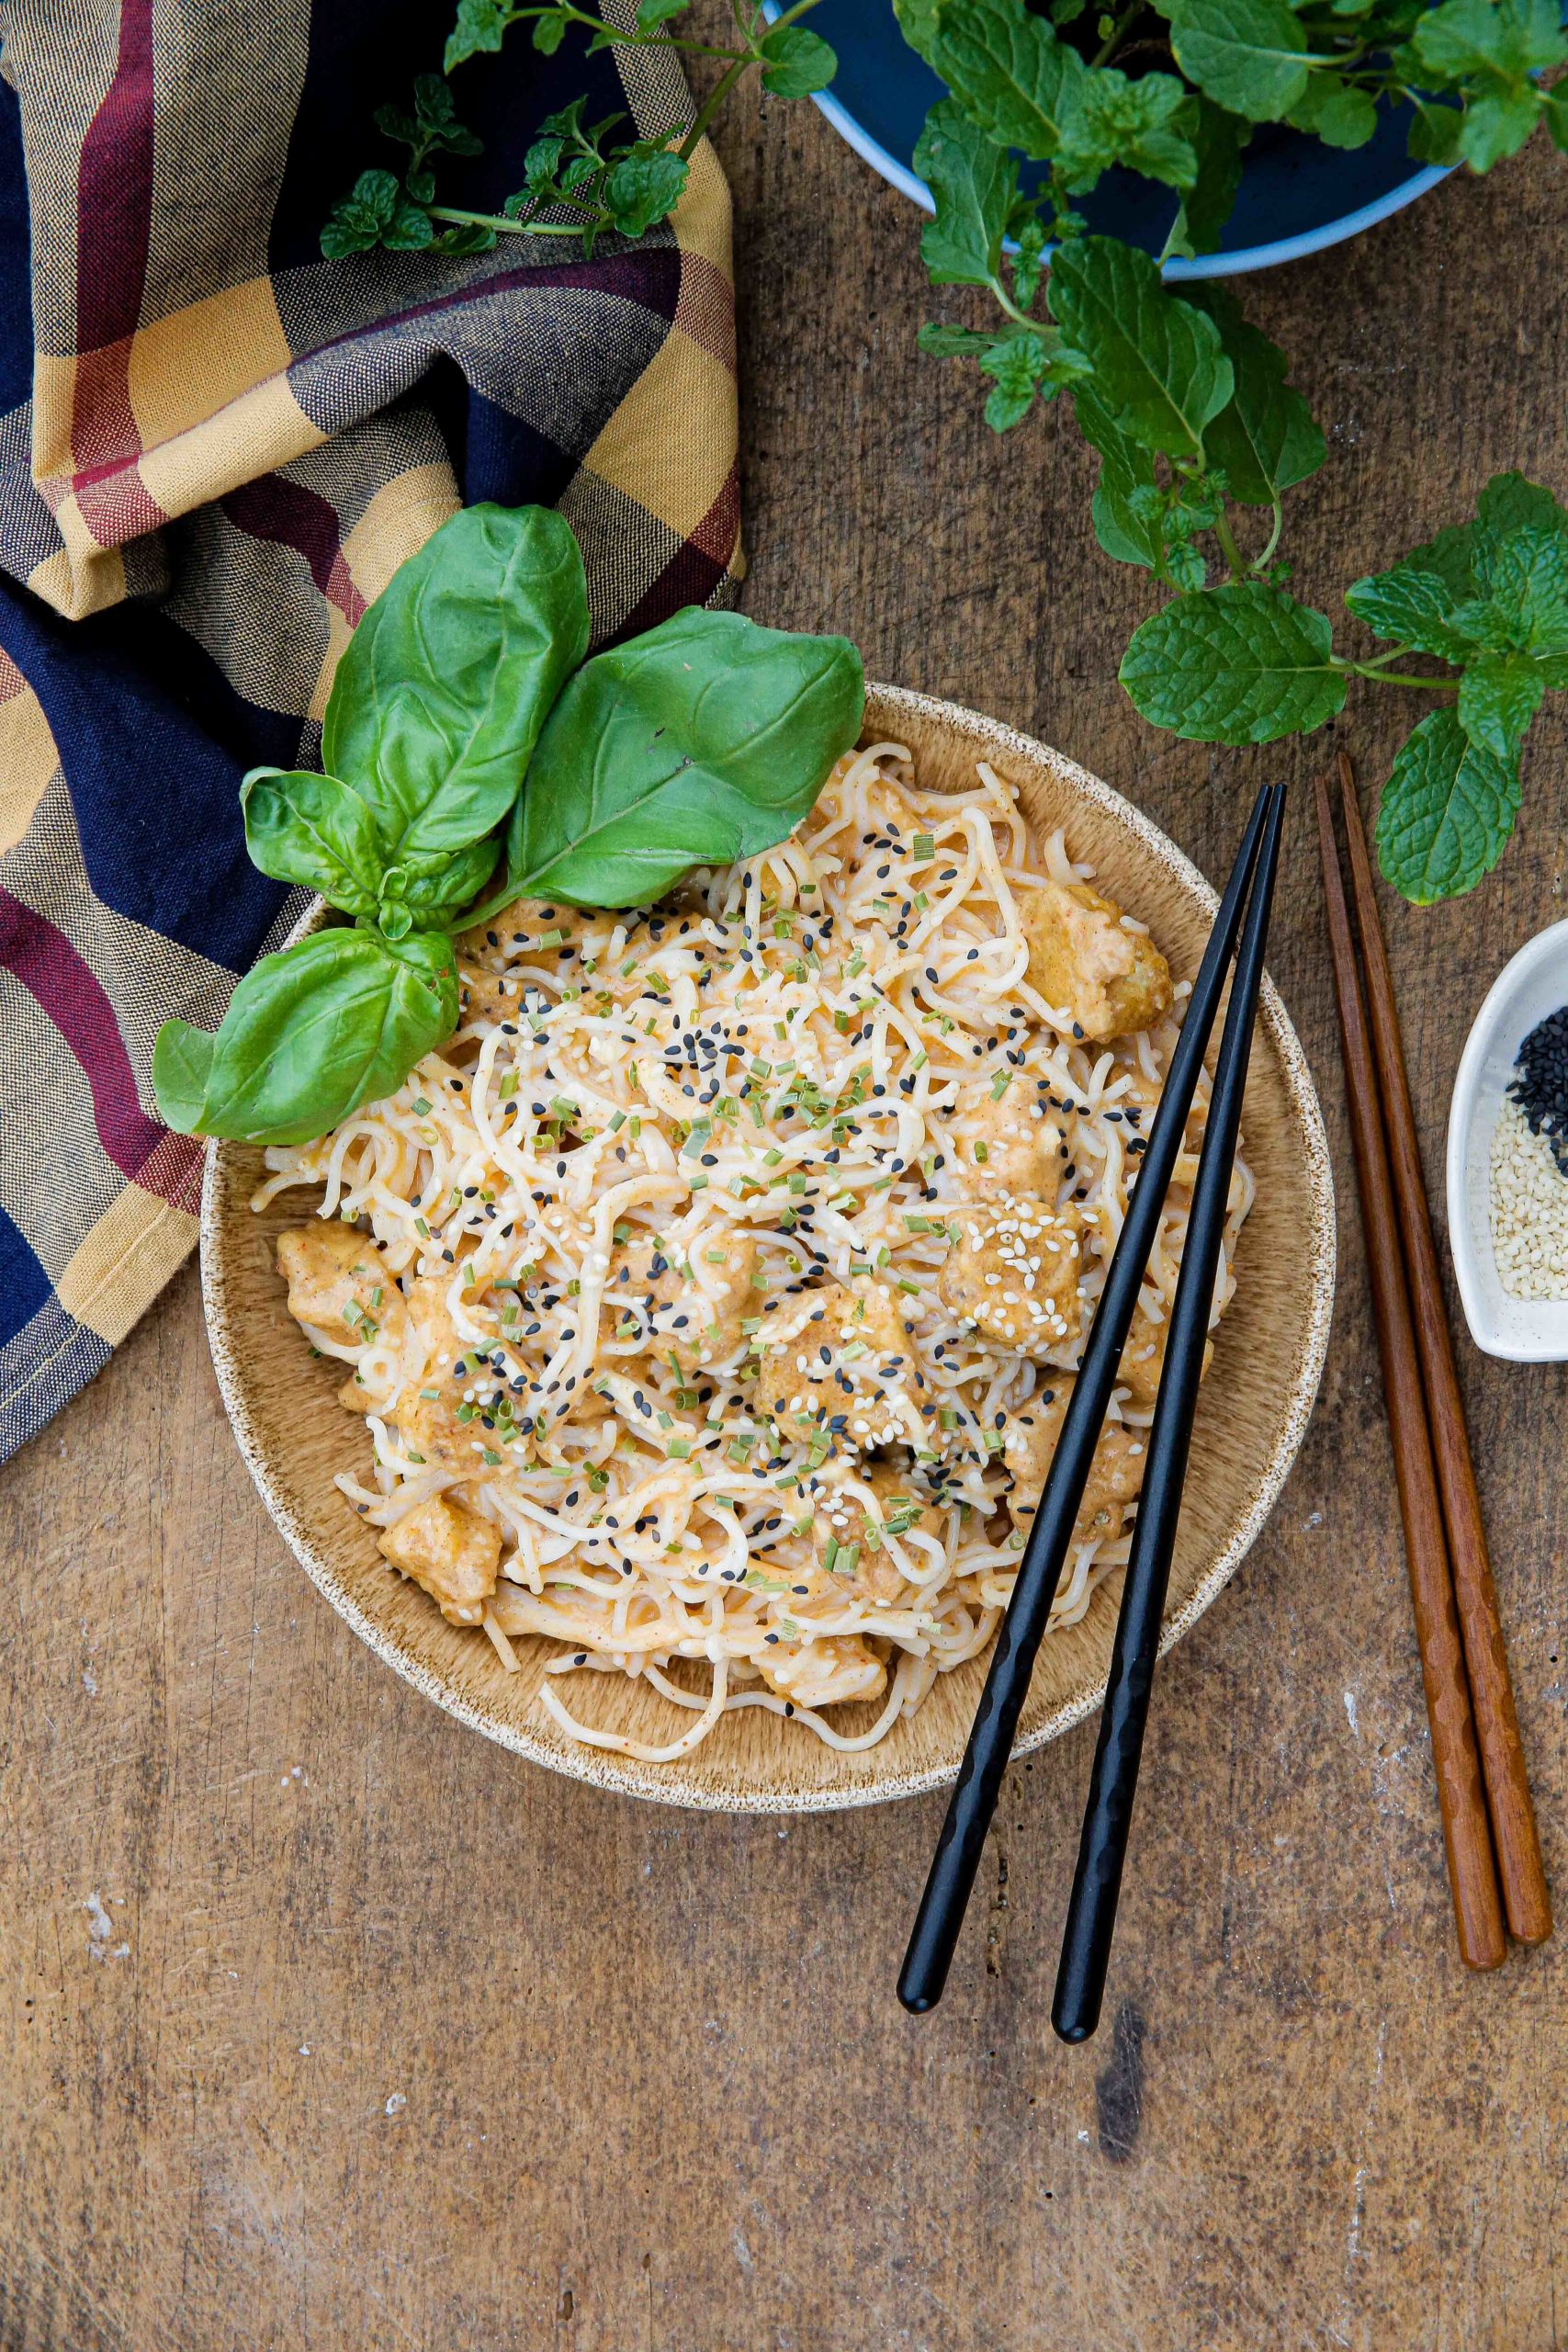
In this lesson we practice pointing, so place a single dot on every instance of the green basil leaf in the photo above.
(1242, 663)
(1448, 809)
(1157, 362)
(1245, 54)
(311, 831)
(1218, 141)
(1265, 439)
(182, 1064)
(798, 63)
(972, 183)
(439, 698)
(1498, 696)
(704, 740)
(431, 897)
(312, 1033)
(1009, 74)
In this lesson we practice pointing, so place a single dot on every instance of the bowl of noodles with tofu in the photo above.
(664, 1379)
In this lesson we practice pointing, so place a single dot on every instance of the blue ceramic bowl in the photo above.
(1296, 195)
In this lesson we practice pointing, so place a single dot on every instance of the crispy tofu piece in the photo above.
(426, 1408)
(1008, 1141)
(449, 1550)
(534, 932)
(823, 1673)
(835, 1352)
(697, 1317)
(849, 1548)
(1013, 1273)
(339, 1285)
(1106, 980)
(1114, 1478)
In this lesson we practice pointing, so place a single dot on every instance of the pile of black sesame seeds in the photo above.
(1540, 1083)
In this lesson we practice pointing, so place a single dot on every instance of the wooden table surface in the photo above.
(328, 2024)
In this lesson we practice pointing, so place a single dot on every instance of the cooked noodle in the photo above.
(667, 1157)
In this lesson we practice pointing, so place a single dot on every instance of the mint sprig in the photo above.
(1200, 434)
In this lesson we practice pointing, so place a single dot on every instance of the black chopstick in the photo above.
(973, 1800)
(1108, 1813)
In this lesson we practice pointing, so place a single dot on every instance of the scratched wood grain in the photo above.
(327, 2024)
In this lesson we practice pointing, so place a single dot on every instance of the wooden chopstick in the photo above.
(1461, 1799)
(1513, 1834)
(1108, 1813)
(973, 1801)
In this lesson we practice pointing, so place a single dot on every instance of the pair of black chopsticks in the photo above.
(1092, 1913)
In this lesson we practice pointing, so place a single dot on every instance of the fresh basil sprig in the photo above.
(457, 727)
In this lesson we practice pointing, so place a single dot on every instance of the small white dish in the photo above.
(1526, 1331)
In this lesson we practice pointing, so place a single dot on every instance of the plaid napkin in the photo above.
(215, 449)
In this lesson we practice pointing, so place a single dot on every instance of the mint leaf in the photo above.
(1505, 40)
(1497, 126)
(1335, 111)
(1524, 580)
(1448, 809)
(1242, 663)
(362, 218)
(1008, 72)
(1265, 440)
(653, 12)
(1218, 140)
(1157, 361)
(797, 62)
(641, 190)
(1245, 54)
(1410, 607)
(481, 25)
(1141, 125)
(974, 183)
(1022, 364)
(1122, 521)
(1498, 696)
(944, 341)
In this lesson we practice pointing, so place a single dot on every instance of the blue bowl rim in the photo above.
(1231, 265)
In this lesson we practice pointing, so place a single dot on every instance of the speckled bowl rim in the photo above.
(624, 1775)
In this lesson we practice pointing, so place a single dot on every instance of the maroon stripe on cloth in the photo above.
(114, 213)
(284, 511)
(68, 990)
(695, 569)
(652, 279)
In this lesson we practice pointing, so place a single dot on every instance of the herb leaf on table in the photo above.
(1200, 434)
(706, 740)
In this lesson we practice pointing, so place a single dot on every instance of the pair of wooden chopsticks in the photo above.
(1483, 1790)
(1086, 1947)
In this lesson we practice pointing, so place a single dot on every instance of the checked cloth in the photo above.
(215, 449)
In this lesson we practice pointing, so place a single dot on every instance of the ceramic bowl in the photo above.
(1527, 1330)
(1255, 1404)
(1297, 197)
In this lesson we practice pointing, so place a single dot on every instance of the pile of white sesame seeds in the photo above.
(1529, 1210)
